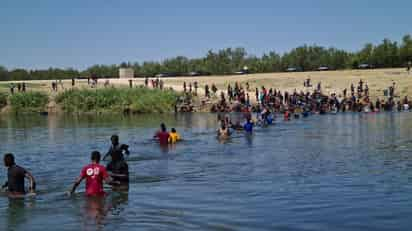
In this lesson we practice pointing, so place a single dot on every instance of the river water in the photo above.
(331, 172)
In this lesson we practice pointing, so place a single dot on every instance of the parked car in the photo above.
(241, 72)
(323, 68)
(163, 75)
(292, 69)
(198, 73)
(365, 66)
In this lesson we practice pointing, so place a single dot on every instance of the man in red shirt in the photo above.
(162, 135)
(94, 174)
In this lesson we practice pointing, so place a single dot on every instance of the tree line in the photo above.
(227, 61)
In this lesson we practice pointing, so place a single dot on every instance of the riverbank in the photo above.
(332, 81)
(378, 81)
(104, 100)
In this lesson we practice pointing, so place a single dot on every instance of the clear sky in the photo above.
(80, 33)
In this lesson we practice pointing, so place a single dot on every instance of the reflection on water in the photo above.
(95, 210)
(334, 172)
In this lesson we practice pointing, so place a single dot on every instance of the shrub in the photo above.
(29, 101)
(136, 100)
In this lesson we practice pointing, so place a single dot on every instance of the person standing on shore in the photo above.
(146, 82)
(12, 86)
(15, 178)
(196, 86)
(207, 93)
(257, 95)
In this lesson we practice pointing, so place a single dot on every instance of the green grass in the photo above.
(29, 101)
(136, 100)
(3, 99)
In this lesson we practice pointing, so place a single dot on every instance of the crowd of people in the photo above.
(155, 83)
(267, 103)
(356, 99)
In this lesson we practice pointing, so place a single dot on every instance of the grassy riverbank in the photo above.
(128, 100)
(332, 82)
(29, 102)
(118, 97)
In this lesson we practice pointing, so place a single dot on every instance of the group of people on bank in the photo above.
(21, 87)
(355, 99)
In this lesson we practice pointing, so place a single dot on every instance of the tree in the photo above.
(406, 49)
(4, 74)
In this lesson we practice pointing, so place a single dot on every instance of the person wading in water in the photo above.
(15, 178)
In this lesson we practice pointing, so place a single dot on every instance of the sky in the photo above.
(38, 34)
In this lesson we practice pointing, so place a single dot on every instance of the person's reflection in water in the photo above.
(164, 149)
(116, 203)
(94, 213)
(17, 212)
(96, 209)
(249, 139)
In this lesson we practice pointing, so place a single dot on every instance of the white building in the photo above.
(126, 73)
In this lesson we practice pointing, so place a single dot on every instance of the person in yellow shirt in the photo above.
(173, 136)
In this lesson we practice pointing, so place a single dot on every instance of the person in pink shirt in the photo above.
(95, 174)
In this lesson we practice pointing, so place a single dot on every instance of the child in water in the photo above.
(173, 136)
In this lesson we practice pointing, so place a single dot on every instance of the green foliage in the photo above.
(29, 101)
(51, 73)
(136, 100)
(102, 71)
(3, 99)
(230, 60)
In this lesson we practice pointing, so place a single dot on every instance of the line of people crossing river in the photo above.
(269, 103)
(116, 172)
